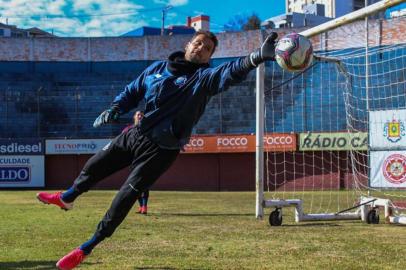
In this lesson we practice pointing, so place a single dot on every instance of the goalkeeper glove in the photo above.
(265, 53)
(108, 116)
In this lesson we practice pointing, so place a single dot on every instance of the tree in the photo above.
(253, 23)
(243, 22)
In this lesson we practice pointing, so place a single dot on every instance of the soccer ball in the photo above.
(294, 52)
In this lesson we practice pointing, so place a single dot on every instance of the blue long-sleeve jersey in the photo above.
(175, 103)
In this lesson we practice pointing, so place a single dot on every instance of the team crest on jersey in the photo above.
(394, 130)
(180, 81)
(394, 168)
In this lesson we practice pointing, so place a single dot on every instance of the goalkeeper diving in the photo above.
(175, 92)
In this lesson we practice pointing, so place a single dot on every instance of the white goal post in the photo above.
(261, 202)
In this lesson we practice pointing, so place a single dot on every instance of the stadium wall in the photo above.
(382, 32)
(222, 172)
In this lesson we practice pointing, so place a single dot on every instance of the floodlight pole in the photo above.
(164, 10)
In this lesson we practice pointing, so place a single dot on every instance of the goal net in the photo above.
(348, 112)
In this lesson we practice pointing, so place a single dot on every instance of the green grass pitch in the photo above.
(193, 230)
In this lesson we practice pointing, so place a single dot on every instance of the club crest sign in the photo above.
(394, 168)
(394, 130)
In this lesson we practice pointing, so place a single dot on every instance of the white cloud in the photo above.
(56, 7)
(174, 3)
(197, 12)
(161, 2)
(178, 2)
(104, 6)
(155, 19)
(74, 17)
(171, 15)
(21, 8)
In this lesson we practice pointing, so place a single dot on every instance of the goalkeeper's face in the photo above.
(199, 50)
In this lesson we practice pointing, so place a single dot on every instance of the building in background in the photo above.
(156, 31)
(312, 15)
(7, 30)
(332, 8)
(193, 24)
(201, 22)
(294, 20)
(143, 31)
(398, 13)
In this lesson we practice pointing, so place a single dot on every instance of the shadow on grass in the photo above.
(27, 265)
(161, 268)
(200, 215)
(312, 225)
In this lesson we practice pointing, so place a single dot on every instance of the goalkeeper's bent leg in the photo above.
(151, 162)
(113, 157)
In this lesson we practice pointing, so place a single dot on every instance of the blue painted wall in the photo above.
(62, 99)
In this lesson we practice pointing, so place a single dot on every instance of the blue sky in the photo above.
(93, 18)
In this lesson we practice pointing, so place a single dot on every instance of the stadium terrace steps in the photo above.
(67, 102)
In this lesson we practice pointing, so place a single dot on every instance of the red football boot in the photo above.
(71, 260)
(144, 210)
(139, 210)
(54, 198)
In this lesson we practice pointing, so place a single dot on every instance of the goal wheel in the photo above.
(373, 217)
(275, 218)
